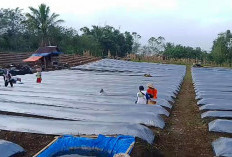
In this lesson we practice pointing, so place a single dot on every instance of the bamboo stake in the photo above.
(131, 146)
(56, 138)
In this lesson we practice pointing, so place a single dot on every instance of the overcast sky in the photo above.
(193, 23)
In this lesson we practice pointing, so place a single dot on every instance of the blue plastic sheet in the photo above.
(111, 145)
(222, 147)
(41, 54)
(8, 148)
(220, 114)
(221, 125)
(46, 54)
(214, 95)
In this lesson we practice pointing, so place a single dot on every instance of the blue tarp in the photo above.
(109, 145)
(8, 148)
(46, 54)
(41, 54)
(222, 147)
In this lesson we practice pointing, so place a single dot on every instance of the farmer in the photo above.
(15, 79)
(8, 78)
(142, 96)
(152, 92)
(38, 75)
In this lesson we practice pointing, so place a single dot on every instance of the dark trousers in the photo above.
(11, 83)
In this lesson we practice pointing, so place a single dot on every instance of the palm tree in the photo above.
(40, 20)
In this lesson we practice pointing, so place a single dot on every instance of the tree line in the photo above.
(221, 53)
(22, 32)
(27, 31)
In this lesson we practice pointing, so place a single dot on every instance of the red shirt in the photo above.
(153, 92)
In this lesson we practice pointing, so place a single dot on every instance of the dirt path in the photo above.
(185, 134)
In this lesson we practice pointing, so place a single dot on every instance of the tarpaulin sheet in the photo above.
(219, 107)
(213, 88)
(64, 127)
(223, 147)
(70, 101)
(41, 54)
(74, 95)
(82, 107)
(32, 59)
(147, 118)
(212, 94)
(214, 101)
(221, 114)
(8, 149)
(46, 54)
(221, 125)
(119, 89)
(164, 103)
(111, 145)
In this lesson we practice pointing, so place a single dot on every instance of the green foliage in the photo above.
(25, 32)
(136, 44)
(11, 29)
(180, 52)
(40, 20)
(110, 40)
(222, 48)
(156, 45)
(40, 27)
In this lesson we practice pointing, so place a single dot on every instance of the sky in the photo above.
(194, 23)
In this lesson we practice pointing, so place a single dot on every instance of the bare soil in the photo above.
(185, 134)
(32, 143)
(143, 149)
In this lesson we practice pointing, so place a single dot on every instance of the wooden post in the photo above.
(131, 146)
(45, 63)
(46, 146)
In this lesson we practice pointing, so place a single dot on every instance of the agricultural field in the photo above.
(214, 95)
(69, 101)
(102, 65)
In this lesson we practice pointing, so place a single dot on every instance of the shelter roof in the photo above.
(32, 59)
(47, 49)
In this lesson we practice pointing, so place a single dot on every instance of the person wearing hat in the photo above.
(142, 96)
(152, 92)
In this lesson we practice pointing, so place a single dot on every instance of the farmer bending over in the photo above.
(152, 92)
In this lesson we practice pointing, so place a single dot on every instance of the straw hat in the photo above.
(150, 85)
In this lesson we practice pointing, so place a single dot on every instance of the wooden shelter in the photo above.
(45, 57)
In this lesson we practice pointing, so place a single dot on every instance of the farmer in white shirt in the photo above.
(142, 96)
